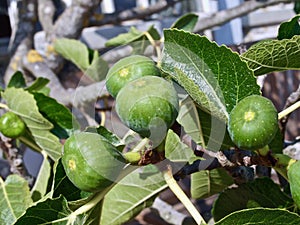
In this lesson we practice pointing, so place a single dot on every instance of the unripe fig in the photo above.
(253, 122)
(148, 105)
(11, 125)
(91, 162)
(128, 69)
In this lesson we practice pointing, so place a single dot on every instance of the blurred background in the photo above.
(238, 33)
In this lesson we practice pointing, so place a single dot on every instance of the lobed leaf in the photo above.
(188, 118)
(288, 29)
(214, 76)
(206, 183)
(264, 216)
(24, 105)
(274, 55)
(177, 151)
(60, 116)
(17, 80)
(262, 192)
(46, 212)
(133, 35)
(294, 179)
(135, 192)
(187, 22)
(15, 198)
(73, 50)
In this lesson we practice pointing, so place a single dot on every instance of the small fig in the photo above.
(128, 69)
(11, 125)
(91, 162)
(253, 122)
(148, 105)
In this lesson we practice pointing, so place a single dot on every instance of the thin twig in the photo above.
(226, 15)
(175, 188)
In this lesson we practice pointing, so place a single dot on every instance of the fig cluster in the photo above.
(145, 102)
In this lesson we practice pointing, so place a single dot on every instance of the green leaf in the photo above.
(187, 22)
(38, 84)
(188, 118)
(24, 105)
(132, 36)
(288, 29)
(214, 76)
(45, 212)
(107, 134)
(139, 40)
(125, 38)
(297, 7)
(60, 116)
(294, 179)
(41, 183)
(262, 192)
(131, 195)
(263, 216)
(98, 68)
(215, 132)
(73, 50)
(176, 151)
(15, 198)
(206, 183)
(277, 144)
(17, 80)
(274, 55)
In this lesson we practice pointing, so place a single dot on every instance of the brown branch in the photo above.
(224, 16)
(135, 13)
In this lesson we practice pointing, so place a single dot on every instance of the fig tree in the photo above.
(253, 122)
(128, 69)
(91, 162)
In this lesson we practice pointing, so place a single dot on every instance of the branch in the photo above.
(21, 42)
(74, 18)
(224, 16)
(46, 10)
(134, 13)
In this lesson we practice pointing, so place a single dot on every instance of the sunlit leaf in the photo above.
(262, 192)
(131, 195)
(206, 183)
(15, 198)
(264, 216)
(290, 28)
(187, 22)
(214, 76)
(24, 105)
(274, 55)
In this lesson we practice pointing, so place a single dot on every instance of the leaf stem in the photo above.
(175, 188)
(153, 43)
(288, 110)
(3, 106)
(30, 144)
